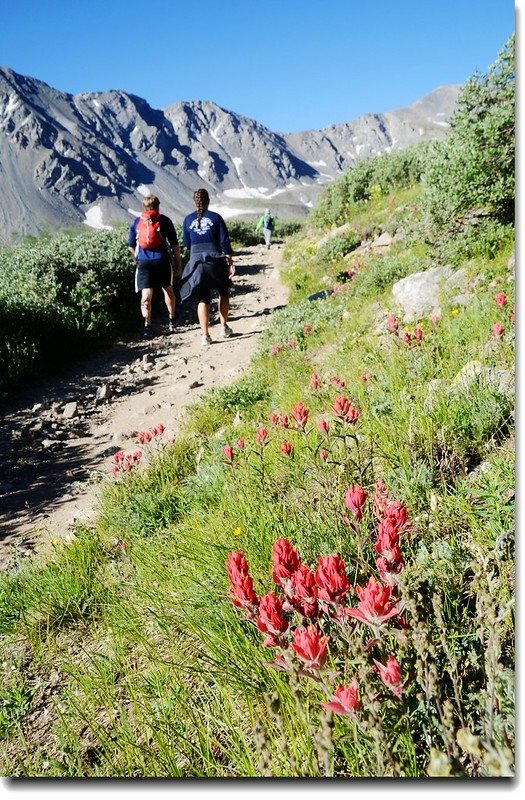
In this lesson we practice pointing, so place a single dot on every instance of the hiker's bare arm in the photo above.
(176, 253)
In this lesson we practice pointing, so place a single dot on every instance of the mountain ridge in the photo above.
(68, 160)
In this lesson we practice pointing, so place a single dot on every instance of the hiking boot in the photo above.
(206, 341)
(171, 326)
(148, 332)
(226, 332)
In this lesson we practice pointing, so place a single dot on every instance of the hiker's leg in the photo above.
(224, 309)
(203, 313)
(169, 299)
(145, 305)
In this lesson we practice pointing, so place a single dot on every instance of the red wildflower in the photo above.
(341, 406)
(364, 377)
(275, 349)
(407, 338)
(387, 537)
(397, 512)
(501, 299)
(228, 453)
(241, 589)
(314, 381)
(331, 579)
(498, 330)
(418, 334)
(261, 436)
(286, 448)
(435, 318)
(292, 343)
(390, 570)
(355, 500)
(344, 700)
(143, 437)
(337, 381)
(323, 454)
(375, 605)
(285, 560)
(240, 444)
(274, 418)
(344, 410)
(392, 323)
(271, 619)
(310, 647)
(284, 421)
(307, 329)
(304, 591)
(300, 414)
(158, 429)
(391, 675)
(323, 426)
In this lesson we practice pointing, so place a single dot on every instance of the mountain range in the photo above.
(68, 160)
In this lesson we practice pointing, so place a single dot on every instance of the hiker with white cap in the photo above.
(267, 223)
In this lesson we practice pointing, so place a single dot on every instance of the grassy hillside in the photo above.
(317, 577)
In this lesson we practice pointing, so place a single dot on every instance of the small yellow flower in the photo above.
(455, 312)
(237, 531)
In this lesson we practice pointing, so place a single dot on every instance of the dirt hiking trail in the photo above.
(57, 440)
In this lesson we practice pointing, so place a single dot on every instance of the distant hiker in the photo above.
(153, 242)
(210, 265)
(267, 223)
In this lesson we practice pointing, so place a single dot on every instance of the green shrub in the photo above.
(474, 167)
(338, 246)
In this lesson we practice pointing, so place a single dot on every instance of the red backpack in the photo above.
(149, 236)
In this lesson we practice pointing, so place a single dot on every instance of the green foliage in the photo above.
(241, 395)
(59, 299)
(368, 180)
(473, 170)
(336, 247)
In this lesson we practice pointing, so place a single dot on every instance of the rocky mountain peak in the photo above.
(88, 158)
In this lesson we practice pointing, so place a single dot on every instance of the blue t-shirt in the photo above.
(212, 231)
(167, 230)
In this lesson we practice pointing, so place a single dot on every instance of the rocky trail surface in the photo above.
(57, 440)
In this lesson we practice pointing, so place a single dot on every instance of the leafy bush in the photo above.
(368, 180)
(474, 167)
(338, 246)
(241, 395)
(59, 299)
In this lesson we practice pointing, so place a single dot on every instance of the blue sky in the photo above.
(290, 65)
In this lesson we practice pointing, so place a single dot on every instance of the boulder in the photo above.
(419, 294)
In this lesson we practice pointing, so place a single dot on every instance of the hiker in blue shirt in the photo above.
(267, 223)
(153, 242)
(210, 265)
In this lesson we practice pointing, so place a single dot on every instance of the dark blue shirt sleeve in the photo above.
(224, 237)
(132, 236)
(167, 228)
(186, 234)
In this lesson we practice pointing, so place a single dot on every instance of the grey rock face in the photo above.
(419, 294)
(88, 158)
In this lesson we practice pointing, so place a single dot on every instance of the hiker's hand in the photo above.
(231, 266)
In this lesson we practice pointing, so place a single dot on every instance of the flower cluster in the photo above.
(146, 436)
(309, 616)
(125, 462)
(344, 410)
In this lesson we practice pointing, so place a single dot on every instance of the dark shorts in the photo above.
(153, 275)
(215, 276)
